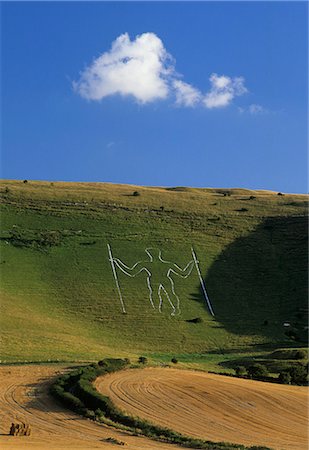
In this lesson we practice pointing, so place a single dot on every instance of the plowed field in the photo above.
(213, 407)
(23, 397)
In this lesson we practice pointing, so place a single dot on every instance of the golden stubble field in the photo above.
(24, 397)
(213, 407)
(198, 404)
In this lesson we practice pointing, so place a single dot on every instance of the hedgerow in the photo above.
(76, 391)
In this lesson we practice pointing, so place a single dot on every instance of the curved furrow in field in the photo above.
(213, 407)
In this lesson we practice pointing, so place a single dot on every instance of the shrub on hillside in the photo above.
(195, 320)
(102, 363)
(299, 374)
(136, 194)
(142, 360)
(284, 377)
(240, 371)
(49, 238)
(174, 360)
(257, 371)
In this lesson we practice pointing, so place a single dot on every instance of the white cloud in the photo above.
(186, 95)
(139, 68)
(223, 90)
(257, 109)
(254, 109)
(142, 68)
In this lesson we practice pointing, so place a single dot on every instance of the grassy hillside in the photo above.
(59, 299)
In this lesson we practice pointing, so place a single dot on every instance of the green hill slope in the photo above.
(59, 297)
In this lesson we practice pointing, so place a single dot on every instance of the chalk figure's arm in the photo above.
(185, 272)
(130, 271)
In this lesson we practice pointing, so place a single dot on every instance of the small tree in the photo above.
(136, 194)
(299, 374)
(102, 363)
(284, 377)
(240, 371)
(174, 360)
(257, 371)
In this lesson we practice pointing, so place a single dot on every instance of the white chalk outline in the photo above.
(172, 281)
(116, 261)
(202, 283)
(111, 259)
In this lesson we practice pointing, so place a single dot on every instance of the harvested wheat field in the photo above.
(24, 398)
(213, 407)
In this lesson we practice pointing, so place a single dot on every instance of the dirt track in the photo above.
(23, 397)
(213, 407)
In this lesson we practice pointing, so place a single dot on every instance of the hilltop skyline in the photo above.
(196, 94)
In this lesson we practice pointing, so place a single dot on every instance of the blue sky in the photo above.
(210, 94)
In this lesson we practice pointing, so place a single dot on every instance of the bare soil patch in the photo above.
(213, 407)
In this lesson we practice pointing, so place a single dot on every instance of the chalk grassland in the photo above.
(213, 407)
(59, 299)
(24, 397)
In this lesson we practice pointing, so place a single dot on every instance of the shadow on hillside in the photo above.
(260, 280)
